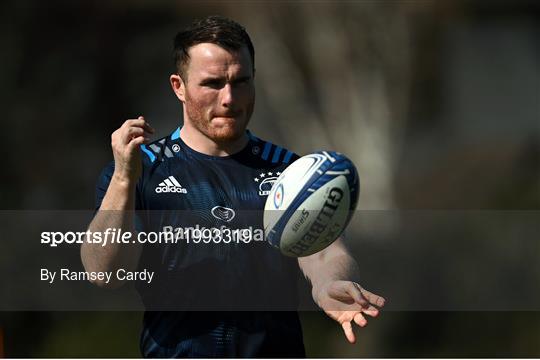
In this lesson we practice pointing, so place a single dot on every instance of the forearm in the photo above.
(331, 264)
(116, 212)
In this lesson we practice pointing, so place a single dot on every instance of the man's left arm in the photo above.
(334, 277)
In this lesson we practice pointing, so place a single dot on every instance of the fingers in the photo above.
(134, 128)
(132, 132)
(371, 311)
(373, 298)
(136, 142)
(354, 291)
(367, 301)
(147, 126)
(126, 140)
(139, 122)
(360, 320)
(348, 330)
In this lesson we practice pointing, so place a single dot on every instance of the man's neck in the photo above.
(200, 143)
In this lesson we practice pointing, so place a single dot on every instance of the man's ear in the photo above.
(178, 87)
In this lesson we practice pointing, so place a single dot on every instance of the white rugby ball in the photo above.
(311, 203)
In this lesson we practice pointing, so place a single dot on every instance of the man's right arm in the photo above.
(118, 205)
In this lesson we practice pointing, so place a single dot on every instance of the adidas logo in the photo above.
(170, 185)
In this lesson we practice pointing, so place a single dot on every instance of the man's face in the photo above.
(219, 91)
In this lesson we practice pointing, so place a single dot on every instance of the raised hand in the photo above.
(125, 142)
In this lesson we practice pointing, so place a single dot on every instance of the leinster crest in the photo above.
(265, 181)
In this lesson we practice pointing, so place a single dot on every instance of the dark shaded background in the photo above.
(436, 102)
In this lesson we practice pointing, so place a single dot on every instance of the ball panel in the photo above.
(318, 221)
(290, 187)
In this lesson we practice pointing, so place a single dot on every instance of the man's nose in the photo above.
(227, 95)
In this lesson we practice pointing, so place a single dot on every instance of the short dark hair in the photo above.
(214, 29)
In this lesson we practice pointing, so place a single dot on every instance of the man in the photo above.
(212, 166)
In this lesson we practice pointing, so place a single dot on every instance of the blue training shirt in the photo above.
(181, 189)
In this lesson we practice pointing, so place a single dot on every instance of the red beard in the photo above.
(218, 130)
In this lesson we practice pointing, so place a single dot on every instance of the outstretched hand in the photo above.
(347, 302)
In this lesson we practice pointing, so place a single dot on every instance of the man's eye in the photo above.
(241, 81)
(214, 84)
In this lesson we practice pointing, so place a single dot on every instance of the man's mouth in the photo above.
(227, 116)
